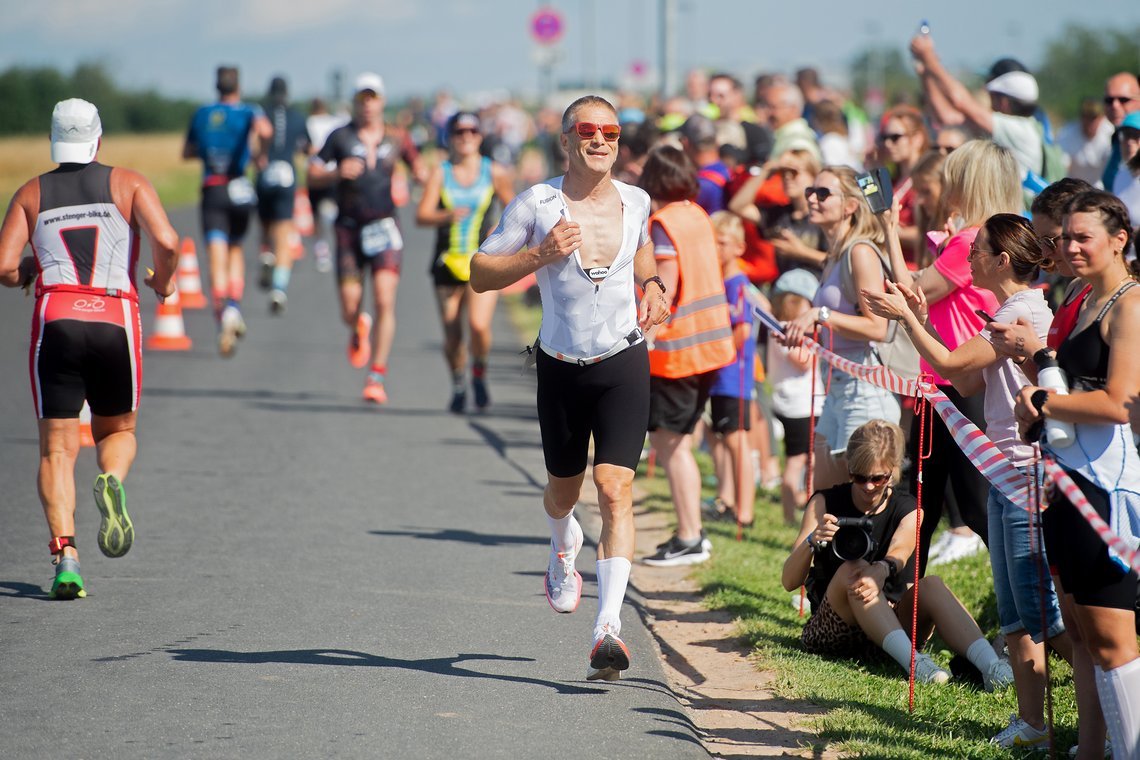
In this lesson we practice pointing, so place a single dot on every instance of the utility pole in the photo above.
(667, 46)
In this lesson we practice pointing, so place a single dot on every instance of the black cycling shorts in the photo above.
(1079, 554)
(730, 414)
(275, 204)
(220, 218)
(797, 435)
(75, 359)
(676, 404)
(609, 400)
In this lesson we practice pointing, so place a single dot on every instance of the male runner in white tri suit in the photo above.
(584, 235)
(83, 221)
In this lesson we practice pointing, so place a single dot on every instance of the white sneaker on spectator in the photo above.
(998, 675)
(938, 545)
(959, 546)
(1020, 734)
(1076, 748)
(797, 600)
(926, 670)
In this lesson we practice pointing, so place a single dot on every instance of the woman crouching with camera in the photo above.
(857, 576)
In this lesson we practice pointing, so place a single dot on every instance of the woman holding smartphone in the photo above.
(1100, 359)
(1005, 259)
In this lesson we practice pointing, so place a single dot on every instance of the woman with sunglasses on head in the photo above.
(979, 179)
(1005, 259)
(902, 141)
(860, 601)
(1100, 359)
(838, 206)
(458, 199)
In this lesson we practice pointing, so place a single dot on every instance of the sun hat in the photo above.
(798, 281)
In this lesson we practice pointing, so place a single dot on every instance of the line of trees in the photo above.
(29, 94)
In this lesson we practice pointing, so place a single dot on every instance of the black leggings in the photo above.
(948, 473)
(609, 399)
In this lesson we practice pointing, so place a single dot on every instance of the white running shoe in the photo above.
(1020, 734)
(927, 670)
(998, 675)
(938, 545)
(958, 547)
(608, 658)
(232, 327)
(563, 583)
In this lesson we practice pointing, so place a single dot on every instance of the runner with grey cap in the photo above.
(84, 221)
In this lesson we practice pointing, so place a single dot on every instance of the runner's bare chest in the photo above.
(602, 224)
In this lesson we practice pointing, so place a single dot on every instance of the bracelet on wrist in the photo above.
(655, 279)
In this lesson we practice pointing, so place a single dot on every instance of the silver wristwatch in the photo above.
(824, 314)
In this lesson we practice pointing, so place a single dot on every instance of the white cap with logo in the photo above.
(369, 82)
(75, 132)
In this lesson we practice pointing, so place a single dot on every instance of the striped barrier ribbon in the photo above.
(979, 449)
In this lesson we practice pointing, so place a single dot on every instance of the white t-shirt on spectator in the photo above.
(1023, 137)
(791, 386)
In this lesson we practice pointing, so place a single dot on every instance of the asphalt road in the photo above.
(311, 577)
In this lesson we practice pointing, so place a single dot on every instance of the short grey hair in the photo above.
(571, 112)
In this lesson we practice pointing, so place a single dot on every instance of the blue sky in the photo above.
(469, 47)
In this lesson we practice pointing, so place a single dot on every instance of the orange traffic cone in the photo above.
(85, 436)
(169, 329)
(297, 245)
(303, 212)
(189, 277)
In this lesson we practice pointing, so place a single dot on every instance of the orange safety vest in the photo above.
(697, 337)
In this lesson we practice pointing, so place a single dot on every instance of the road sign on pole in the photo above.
(546, 25)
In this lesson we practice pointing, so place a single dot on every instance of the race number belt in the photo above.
(635, 336)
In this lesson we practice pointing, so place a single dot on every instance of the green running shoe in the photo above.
(68, 583)
(116, 533)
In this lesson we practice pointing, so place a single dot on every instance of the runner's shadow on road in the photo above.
(443, 666)
(238, 393)
(18, 589)
(359, 407)
(465, 537)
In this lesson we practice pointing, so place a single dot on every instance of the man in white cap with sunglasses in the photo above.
(585, 237)
(84, 222)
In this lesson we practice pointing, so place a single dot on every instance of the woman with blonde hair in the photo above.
(979, 179)
(854, 237)
(859, 590)
(903, 138)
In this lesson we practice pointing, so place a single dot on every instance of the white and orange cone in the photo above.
(303, 213)
(189, 277)
(169, 328)
(85, 436)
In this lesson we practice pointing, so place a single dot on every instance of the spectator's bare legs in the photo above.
(115, 443)
(59, 448)
(450, 299)
(792, 494)
(1027, 658)
(1091, 730)
(740, 467)
(675, 454)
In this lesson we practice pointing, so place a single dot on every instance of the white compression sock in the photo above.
(1120, 703)
(613, 577)
(897, 645)
(561, 532)
(981, 654)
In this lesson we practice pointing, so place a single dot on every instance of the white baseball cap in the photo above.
(75, 132)
(1016, 84)
(369, 81)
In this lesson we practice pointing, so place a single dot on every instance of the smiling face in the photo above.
(593, 155)
(830, 210)
(1049, 236)
(876, 481)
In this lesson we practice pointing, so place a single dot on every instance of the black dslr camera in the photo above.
(853, 539)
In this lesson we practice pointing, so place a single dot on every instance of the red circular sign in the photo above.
(546, 25)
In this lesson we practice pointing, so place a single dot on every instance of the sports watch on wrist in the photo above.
(656, 279)
(824, 315)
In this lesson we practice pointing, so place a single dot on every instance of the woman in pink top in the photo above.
(979, 179)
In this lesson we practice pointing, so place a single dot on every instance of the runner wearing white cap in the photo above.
(83, 221)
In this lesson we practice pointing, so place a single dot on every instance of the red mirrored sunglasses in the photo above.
(586, 130)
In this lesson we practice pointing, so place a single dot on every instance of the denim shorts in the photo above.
(849, 403)
(1018, 571)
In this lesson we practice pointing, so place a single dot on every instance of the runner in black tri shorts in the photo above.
(277, 187)
(83, 222)
(368, 239)
(584, 236)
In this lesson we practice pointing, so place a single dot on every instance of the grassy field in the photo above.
(158, 157)
(867, 706)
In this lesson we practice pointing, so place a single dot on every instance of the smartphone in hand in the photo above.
(876, 187)
(982, 313)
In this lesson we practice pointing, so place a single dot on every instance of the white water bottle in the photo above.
(1058, 434)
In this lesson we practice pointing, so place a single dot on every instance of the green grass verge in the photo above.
(867, 705)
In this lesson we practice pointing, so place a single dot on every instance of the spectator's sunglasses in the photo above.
(586, 130)
(875, 480)
(465, 131)
(823, 193)
(891, 137)
(945, 150)
(1050, 242)
(1122, 100)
